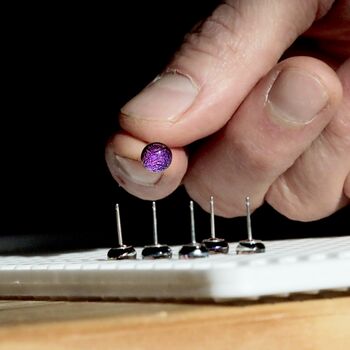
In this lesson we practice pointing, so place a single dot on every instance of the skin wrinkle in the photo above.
(233, 7)
(190, 48)
(214, 36)
(215, 25)
(338, 139)
(218, 40)
(287, 197)
(295, 191)
(222, 54)
(228, 16)
(292, 203)
(326, 139)
(320, 145)
(235, 46)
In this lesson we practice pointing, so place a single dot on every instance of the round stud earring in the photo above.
(194, 249)
(214, 244)
(156, 157)
(156, 250)
(250, 245)
(122, 251)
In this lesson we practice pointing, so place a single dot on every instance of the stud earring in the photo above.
(215, 245)
(194, 249)
(156, 157)
(250, 245)
(156, 250)
(122, 251)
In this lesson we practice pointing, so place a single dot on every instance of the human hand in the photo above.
(277, 132)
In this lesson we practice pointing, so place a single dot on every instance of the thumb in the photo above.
(215, 68)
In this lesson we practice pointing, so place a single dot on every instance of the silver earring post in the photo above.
(214, 244)
(156, 250)
(121, 251)
(250, 245)
(194, 249)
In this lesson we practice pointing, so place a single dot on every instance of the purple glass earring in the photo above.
(156, 157)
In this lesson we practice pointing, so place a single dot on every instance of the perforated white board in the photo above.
(289, 266)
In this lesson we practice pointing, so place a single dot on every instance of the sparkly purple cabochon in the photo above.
(156, 157)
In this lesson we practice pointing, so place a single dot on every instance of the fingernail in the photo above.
(297, 96)
(132, 170)
(167, 98)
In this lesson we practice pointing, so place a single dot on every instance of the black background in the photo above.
(68, 71)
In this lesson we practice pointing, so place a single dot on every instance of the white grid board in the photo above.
(289, 266)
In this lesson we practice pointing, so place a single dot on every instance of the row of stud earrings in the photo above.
(192, 250)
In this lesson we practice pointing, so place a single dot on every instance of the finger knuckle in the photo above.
(298, 205)
(338, 132)
(216, 36)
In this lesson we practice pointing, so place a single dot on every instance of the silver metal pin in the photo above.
(194, 249)
(156, 250)
(122, 251)
(212, 217)
(119, 226)
(250, 245)
(249, 224)
(155, 228)
(193, 229)
(215, 245)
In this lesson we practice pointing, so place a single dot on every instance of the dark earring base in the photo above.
(123, 252)
(193, 251)
(157, 251)
(250, 247)
(216, 245)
